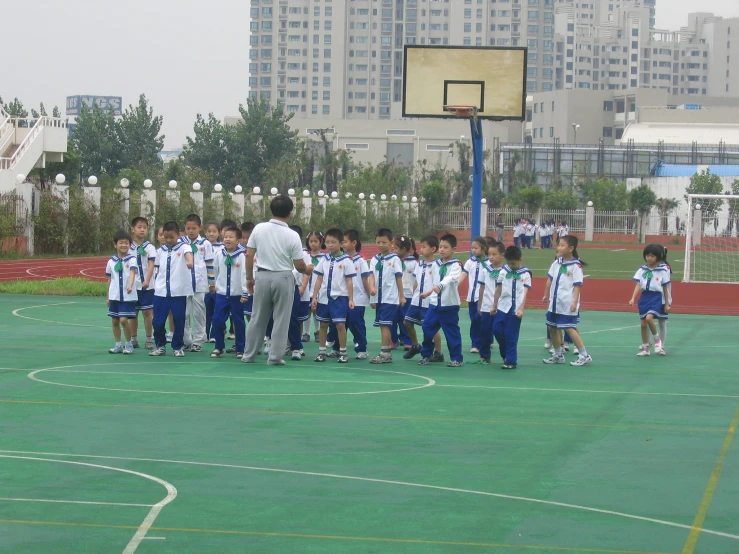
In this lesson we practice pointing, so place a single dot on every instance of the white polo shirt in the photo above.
(563, 231)
(312, 278)
(335, 272)
(425, 281)
(448, 283)
(362, 270)
(276, 244)
(489, 278)
(473, 268)
(231, 277)
(514, 286)
(202, 254)
(299, 276)
(386, 269)
(119, 279)
(144, 252)
(409, 276)
(565, 277)
(173, 275)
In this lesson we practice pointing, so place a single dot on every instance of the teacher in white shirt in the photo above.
(272, 251)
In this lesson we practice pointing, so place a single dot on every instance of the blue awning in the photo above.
(681, 170)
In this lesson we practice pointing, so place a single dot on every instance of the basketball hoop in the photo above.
(462, 110)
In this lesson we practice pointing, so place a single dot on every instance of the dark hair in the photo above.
(121, 235)
(214, 223)
(659, 251)
(451, 239)
(384, 232)
(136, 220)
(171, 226)
(406, 243)
(482, 241)
(281, 206)
(338, 234)
(194, 218)
(431, 240)
(295, 228)
(233, 229)
(563, 222)
(499, 246)
(352, 235)
(248, 227)
(489, 241)
(512, 253)
(226, 223)
(316, 234)
(572, 241)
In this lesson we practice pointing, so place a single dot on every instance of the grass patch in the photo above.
(64, 286)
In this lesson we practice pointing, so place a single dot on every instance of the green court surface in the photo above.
(102, 453)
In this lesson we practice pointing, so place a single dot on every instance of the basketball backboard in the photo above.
(491, 78)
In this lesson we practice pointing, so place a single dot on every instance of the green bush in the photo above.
(49, 231)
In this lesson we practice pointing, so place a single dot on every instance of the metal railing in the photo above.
(453, 219)
(38, 125)
(7, 130)
(575, 219)
(616, 223)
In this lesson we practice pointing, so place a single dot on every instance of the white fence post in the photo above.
(307, 213)
(63, 192)
(31, 197)
(483, 230)
(148, 209)
(125, 206)
(197, 197)
(697, 227)
(238, 207)
(589, 222)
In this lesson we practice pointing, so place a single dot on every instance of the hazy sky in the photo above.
(187, 57)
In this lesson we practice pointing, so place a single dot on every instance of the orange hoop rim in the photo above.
(461, 110)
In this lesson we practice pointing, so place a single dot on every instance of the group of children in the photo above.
(525, 231)
(199, 284)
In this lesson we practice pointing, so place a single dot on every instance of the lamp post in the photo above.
(575, 127)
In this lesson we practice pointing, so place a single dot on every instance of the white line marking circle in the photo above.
(33, 376)
(17, 311)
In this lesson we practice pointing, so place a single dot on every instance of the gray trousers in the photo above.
(274, 292)
(499, 233)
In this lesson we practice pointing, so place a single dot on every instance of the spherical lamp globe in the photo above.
(147, 183)
(414, 199)
(60, 179)
(405, 198)
(334, 194)
(372, 196)
(361, 196)
(20, 178)
(306, 193)
(291, 192)
(218, 187)
(238, 189)
(273, 191)
(173, 184)
(590, 203)
(321, 194)
(124, 183)
(196, 186)
(394, 197)
(256, 190)
(697, 206)
(484, 201)
(383, 197)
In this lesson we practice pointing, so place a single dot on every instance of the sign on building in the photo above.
(113, 104)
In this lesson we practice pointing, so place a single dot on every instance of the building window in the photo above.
(608, 132)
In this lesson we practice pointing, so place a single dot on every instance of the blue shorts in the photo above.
(562, 321)
(336, 311)
(304, 311)
(387, 315)
(146, 300)
(248, 305)
(117, 309)
(416, 314)
(650, 302)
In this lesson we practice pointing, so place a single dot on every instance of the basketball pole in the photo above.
(477, 165)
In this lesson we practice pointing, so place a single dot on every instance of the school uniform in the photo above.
(409, 284)
(473, 267)
(144, 253)
(173, 286)
(300, 311)
(210, 298)
(530, 233)
(419, 306)
(230, 281)
(201, 275)
(443, 312)
(355, 321)
(562, 231)
(514, 285)
(517, 232)
(565, 276)
(653, 294)
(386, 269)
(336, 271)
(489, 278)
(121, 302)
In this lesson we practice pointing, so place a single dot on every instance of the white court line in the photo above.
(398, 483)
(17, 314)
(620, 250)
(82, 272)
(153, 512)
(588, 391)
(594, 332)
(49, 501)
(32, 375)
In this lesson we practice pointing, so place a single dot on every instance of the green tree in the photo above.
(208, 150)
(531, 198)
(706, 183)
(666, 206)
(434, 194)
(733, 207)
(261, 138)
(138, 135)
(642, 199)
(55, 112)
(96, 140)
(14, 108)
(383, 178)
(606, 194)
(71, 168)
(560, 199)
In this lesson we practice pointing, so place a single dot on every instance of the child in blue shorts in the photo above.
(335, 274)
(146, 254)
(387, 295)
(429, 246)
(653, 281)
(122, 296)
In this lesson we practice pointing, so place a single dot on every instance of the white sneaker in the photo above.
(169, 337)
(267, 347)
(581, 361)
(117, 349)
(128, 348)
(179, 353)
(231, 336)
(577, 352)
(548, 344)
(643, 351)
(329, 344)
(161, 351)
(297, 356)
(661, 351)
(554, 360)
(149, 343)
(361, 356)
(657, 344)
(566, 347)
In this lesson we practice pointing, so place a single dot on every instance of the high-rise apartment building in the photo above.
(343, 59)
